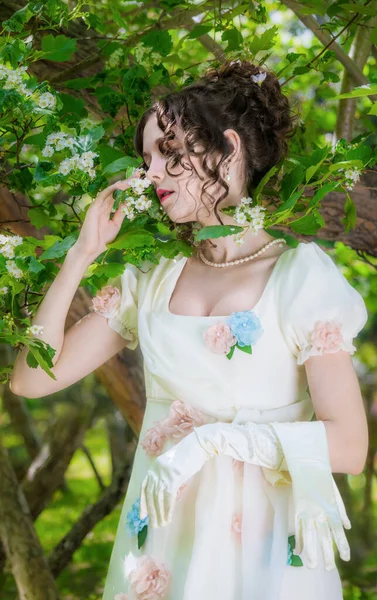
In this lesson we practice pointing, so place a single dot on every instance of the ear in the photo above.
(234, 142)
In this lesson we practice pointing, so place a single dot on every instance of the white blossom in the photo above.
(4, 290)
(47, 100)
(48, 151)
(258, 78)
(34, 329)
(7, 250)
(13, 269)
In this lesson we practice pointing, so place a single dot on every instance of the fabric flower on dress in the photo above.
(326, 336)
(180, 422)
(237, 526)
(149, 577)
(242, 330)
(154, 439)
(134, 523)
(107, 301)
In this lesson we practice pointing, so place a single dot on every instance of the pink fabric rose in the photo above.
(182, 419)
(326, 336)
(150, 580)
(219, 339)
(107, 300)
(237, 526)
(154, 439)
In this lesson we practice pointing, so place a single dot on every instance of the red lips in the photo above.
(161, 193)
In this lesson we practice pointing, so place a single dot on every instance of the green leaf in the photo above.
(361, 10)
(142, 536)
(35, 266)
(38, 356)
(59, 248)
(263, 182)
(328, 187)
(264, 42)
(309, 224)
(216, 231)
(120, 164)
(373, 110)
(350, 213)
(358, 92)
(291, 181)
(59, 48)
(199, 30)
(18, 19)
(231, 351)
(133, 239)
(79, 84)
(373, 35)
(21, 180)
(233, 37)
(159, 41)
(39, 217)
(247, 349)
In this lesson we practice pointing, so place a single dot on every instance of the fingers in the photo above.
(342, 509)
(341, 540)
(326, 543)
(298, 534)
(310, 543)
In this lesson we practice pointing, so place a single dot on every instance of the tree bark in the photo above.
(29, 565)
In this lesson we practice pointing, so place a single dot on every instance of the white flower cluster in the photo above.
(34, 330)
(114, 59)
(59, 141)
(13, 269)
(47, 100)
(244, 214)
(14, 79)
(141, 203)
(4, 290)
(352, 176)
(7, 244)
(145, 56)
(83, 162)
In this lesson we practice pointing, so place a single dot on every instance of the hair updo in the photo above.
(226, 98)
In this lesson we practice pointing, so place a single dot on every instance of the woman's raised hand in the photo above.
(98, 229)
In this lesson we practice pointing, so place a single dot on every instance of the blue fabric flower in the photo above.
(135, 524)
(245, 326)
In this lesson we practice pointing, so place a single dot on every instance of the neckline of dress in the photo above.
(181, 265)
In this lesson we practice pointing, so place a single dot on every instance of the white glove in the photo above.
(318, 505)
(256, 444)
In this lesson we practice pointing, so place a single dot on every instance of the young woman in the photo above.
(252, 398)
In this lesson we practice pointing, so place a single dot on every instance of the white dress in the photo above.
(228, 539)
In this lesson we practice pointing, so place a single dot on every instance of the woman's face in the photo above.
(185, 203)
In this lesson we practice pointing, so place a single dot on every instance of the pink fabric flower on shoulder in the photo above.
(326, 336)
(150, 580)
(154, 439)
(219, 339)
(107, 300)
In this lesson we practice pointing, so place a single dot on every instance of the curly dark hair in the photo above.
(225, 98)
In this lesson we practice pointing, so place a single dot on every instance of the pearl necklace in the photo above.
(242, 260)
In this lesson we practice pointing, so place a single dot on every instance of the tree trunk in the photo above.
(29, 565)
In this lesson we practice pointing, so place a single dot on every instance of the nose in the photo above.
(156, 171)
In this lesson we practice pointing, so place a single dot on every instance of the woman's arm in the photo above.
(90, 342)
(337, 401)
(83, 348)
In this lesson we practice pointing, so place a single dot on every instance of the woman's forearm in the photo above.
(52, 314)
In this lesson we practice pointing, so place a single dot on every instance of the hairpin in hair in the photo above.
(233, 62)
(258, 78)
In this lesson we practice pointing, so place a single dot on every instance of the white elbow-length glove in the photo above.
(299, 447)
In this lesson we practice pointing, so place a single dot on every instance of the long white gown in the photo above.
(228, 539)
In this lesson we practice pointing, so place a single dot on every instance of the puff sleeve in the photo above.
(319, 310)
(118, 302)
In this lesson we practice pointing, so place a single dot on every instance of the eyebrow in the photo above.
(155, 144)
